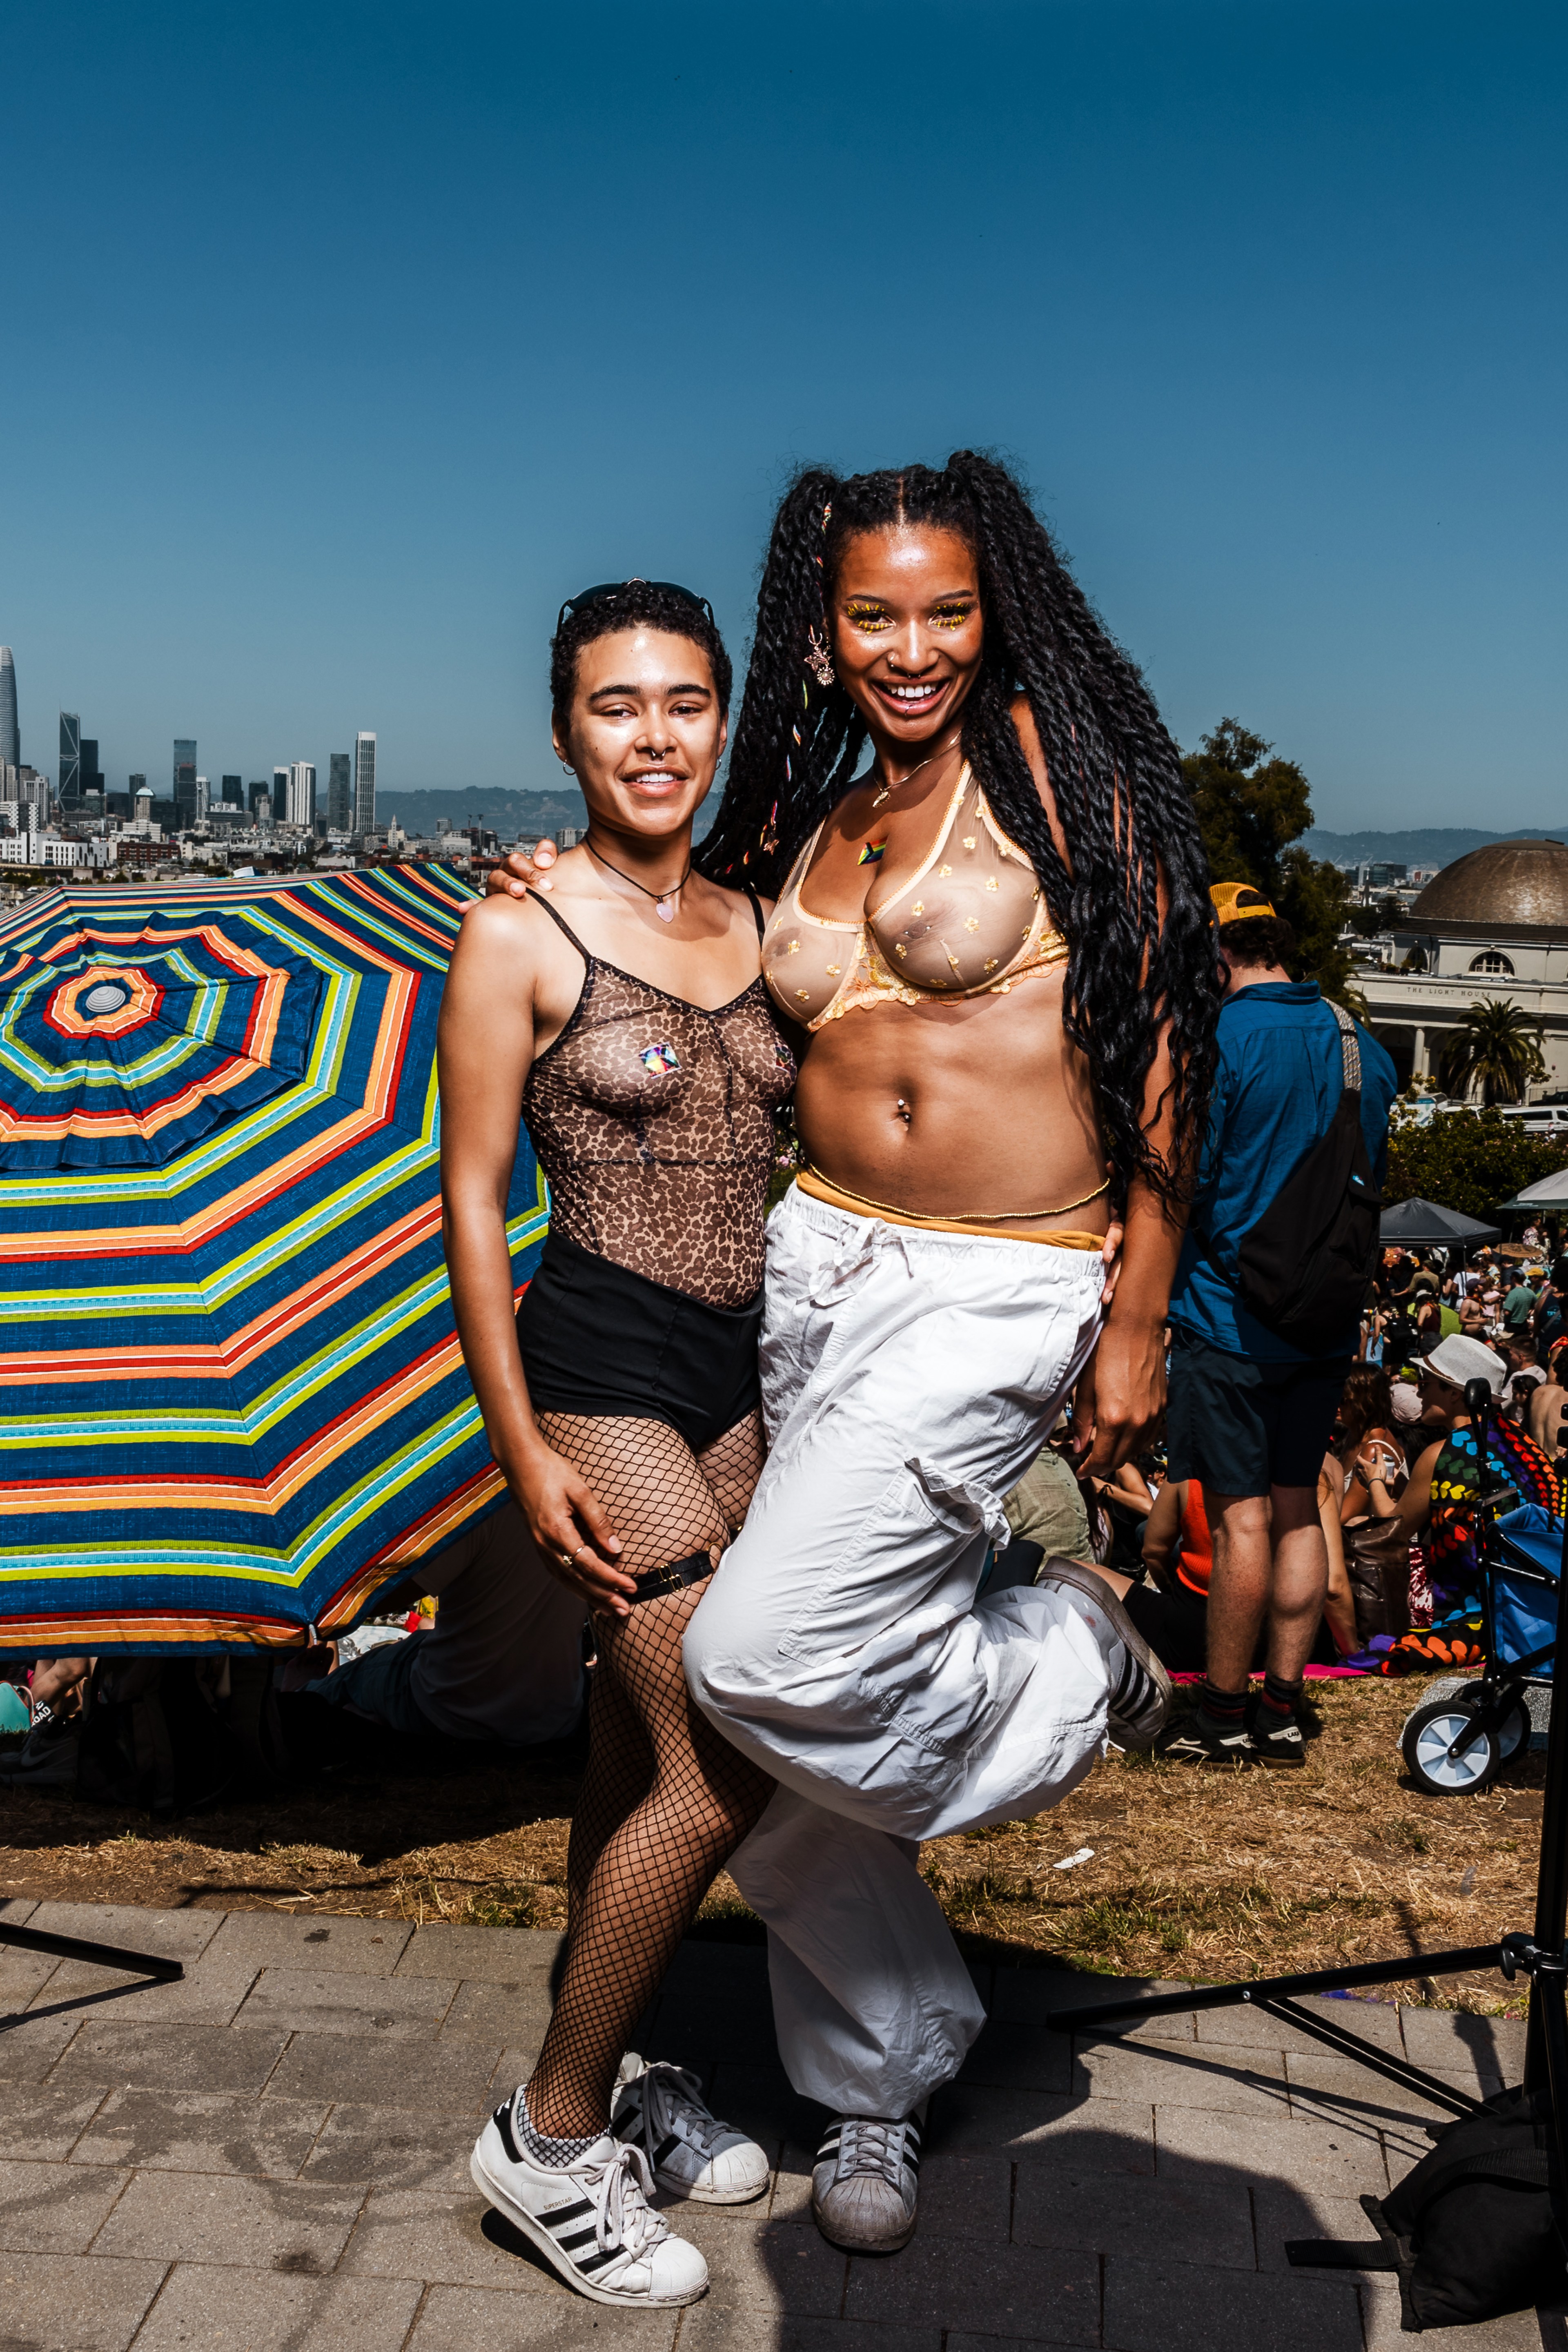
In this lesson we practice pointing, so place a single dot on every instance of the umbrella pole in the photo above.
(102, 1956)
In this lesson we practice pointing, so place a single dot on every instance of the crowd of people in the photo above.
(873, 1519)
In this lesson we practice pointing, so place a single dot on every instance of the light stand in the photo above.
(102, 1956)
(1542, 1955)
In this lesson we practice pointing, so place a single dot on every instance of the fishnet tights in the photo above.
(665, 1800)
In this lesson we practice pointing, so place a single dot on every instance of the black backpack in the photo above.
(1305, 1267)
(1469, 2230)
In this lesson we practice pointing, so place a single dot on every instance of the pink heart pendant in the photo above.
(664, 910)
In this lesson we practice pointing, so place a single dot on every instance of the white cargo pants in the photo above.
(909, 1379)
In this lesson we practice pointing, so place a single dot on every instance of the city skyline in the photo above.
(79, 766)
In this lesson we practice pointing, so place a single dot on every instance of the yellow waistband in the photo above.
(818, 1188)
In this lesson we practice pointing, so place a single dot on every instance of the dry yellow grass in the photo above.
(1201, 1874)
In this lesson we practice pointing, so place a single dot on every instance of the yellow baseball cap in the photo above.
(1232, 900)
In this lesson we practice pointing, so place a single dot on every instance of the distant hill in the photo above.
(507, 812)
(1422, 845)
(512, 813)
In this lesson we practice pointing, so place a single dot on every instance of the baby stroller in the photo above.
(1463, 1740)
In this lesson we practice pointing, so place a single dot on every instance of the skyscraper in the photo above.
(260, 801)
(185, 778)
(279, 795)
(10, 732)
(234, 791)
(302, 793)
(364, 782)
(90, 780)
(69, 779)
(340, 793)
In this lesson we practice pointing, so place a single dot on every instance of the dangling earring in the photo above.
(818, 659)
(567, 768)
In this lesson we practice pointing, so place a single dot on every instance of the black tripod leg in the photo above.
(1338, 2037)
(102, 1956)
(1259, 1990)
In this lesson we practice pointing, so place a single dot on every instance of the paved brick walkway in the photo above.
(272, 2156)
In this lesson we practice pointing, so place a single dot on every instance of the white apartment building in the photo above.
(301, 794)
(31, 848)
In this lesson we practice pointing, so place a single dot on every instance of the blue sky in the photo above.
(345, 341)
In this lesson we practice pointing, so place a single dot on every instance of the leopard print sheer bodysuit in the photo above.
(653, 1122)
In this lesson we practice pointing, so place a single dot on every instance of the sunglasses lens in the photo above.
(608, 589)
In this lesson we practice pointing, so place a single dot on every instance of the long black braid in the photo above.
(1125, 811)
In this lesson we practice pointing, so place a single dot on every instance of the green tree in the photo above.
(1367, 921)
(1464, 1160)
(1496, 1048)
(1252, 811)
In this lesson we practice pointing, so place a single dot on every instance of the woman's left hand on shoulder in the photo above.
(517, 873)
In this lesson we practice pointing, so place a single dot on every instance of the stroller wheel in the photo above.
(1430, 1732)
(1513, 1732)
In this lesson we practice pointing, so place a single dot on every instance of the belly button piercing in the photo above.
(904, 1111)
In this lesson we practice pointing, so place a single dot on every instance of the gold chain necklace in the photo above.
(940, 752)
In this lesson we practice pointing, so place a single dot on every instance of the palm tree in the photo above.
(1497, 1048)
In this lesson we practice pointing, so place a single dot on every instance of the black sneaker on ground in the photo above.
(1277, 1738)
(1198, 1739)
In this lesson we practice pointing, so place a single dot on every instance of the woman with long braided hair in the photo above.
(999, 941)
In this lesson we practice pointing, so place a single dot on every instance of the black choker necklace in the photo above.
(661, 907)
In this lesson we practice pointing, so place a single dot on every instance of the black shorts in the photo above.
(598, 1339)
(1240, 1426)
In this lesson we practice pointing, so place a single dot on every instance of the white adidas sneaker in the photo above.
(1140, 1702)
(866, 2182)
(661, 2108)
(591, 2219)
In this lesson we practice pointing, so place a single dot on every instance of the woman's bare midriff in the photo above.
(1000, 1111)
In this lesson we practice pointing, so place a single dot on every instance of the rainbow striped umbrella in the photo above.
(233, 1402)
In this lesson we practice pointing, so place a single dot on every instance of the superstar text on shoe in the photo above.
(590, 2219)
(659, 2109)
(865, 2182)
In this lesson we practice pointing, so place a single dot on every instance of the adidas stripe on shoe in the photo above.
(1138, 1705)
(865, 2181)
(590, 2219)
(661, 2109)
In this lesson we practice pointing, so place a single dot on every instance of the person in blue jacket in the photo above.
(1250, 1416)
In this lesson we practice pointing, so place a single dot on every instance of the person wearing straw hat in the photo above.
(1250, 1414)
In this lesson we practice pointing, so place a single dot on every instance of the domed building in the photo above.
(1494, 924)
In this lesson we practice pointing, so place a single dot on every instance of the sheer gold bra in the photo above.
(970, 922)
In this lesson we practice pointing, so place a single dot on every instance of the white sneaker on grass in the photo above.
(865, 2180)
(661, 2109)
(590, 2219)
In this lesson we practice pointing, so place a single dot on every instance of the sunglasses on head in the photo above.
(608, 590)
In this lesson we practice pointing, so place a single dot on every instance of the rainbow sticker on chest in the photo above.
(660, 1060)
(871, 853)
